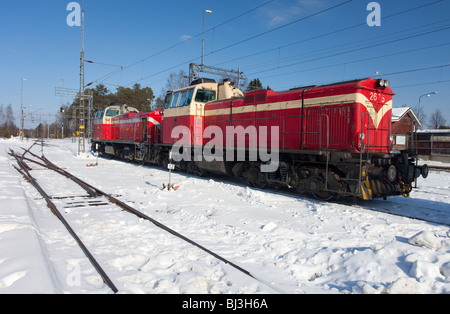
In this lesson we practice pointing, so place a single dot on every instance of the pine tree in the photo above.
(254, 85)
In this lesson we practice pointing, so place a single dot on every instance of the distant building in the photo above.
(434, 145)
(429, 144)
(404, 124)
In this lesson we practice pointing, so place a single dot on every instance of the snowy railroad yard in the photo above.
(295, 244)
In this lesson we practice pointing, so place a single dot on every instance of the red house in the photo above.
(404, 124)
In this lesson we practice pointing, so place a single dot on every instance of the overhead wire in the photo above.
(345, 45)
(290, 44)
(284, 46)
(195, 36)
(384, 55)
(249, 38)
(354, 50)
(330, 33)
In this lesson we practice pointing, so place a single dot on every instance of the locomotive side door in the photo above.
(144, 125)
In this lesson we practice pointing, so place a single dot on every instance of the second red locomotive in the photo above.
(332, 141)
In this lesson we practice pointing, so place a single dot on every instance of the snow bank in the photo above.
(426, 239)
(445, 270)
(295, 244)
(404, 286)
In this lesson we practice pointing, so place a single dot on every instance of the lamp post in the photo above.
(203, 34)
(420, 99)
(21, 109)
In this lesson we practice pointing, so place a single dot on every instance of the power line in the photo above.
(361, 60)
(250, 38)
(418, 70)
(287, 45)
(420, 84)
(357, 49)
(346, 45)
(282, 26)
(200, 34)
(330, 33)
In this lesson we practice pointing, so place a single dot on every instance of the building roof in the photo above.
(400, 113)
(434, 131)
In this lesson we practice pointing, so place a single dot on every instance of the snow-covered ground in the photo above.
(294, 244)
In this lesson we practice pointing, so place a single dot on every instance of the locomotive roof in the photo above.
(354, 82)
(331, 84)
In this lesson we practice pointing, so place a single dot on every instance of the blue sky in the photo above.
(285, 43)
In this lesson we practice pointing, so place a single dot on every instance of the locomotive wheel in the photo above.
(193, 169)
(317, 189)
(255, 178)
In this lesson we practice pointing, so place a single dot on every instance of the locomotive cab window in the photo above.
(168, 100)
(175, 100)
(99, 115)
(204, 95)
(189, 97)
(182, 99)
(112, 112)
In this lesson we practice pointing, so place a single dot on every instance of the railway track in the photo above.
(84, 201)
(439, 168)
(95, 197)
(423, 212)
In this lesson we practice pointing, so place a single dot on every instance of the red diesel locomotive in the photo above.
(332, 141)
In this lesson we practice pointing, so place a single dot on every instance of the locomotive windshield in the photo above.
(168, 100)
(184, 98)
(175, 100)
(204, 95)
(99, 114)
(112, 112)
(189, 97)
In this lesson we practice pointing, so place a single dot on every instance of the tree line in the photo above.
(138, 97)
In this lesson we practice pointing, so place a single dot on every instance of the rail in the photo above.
(24, 170)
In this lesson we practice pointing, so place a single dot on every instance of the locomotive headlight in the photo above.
(391, 173)
(383, 83)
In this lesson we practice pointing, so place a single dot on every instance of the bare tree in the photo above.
(437, 120)
(2, 115)
(175, 81)
(420, 114)
(9, 116)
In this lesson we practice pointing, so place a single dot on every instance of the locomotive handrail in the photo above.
(366, 148)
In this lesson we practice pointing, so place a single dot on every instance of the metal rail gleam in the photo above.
(95, 192)
(24, 170)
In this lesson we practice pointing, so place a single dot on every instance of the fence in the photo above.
(434, 145)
